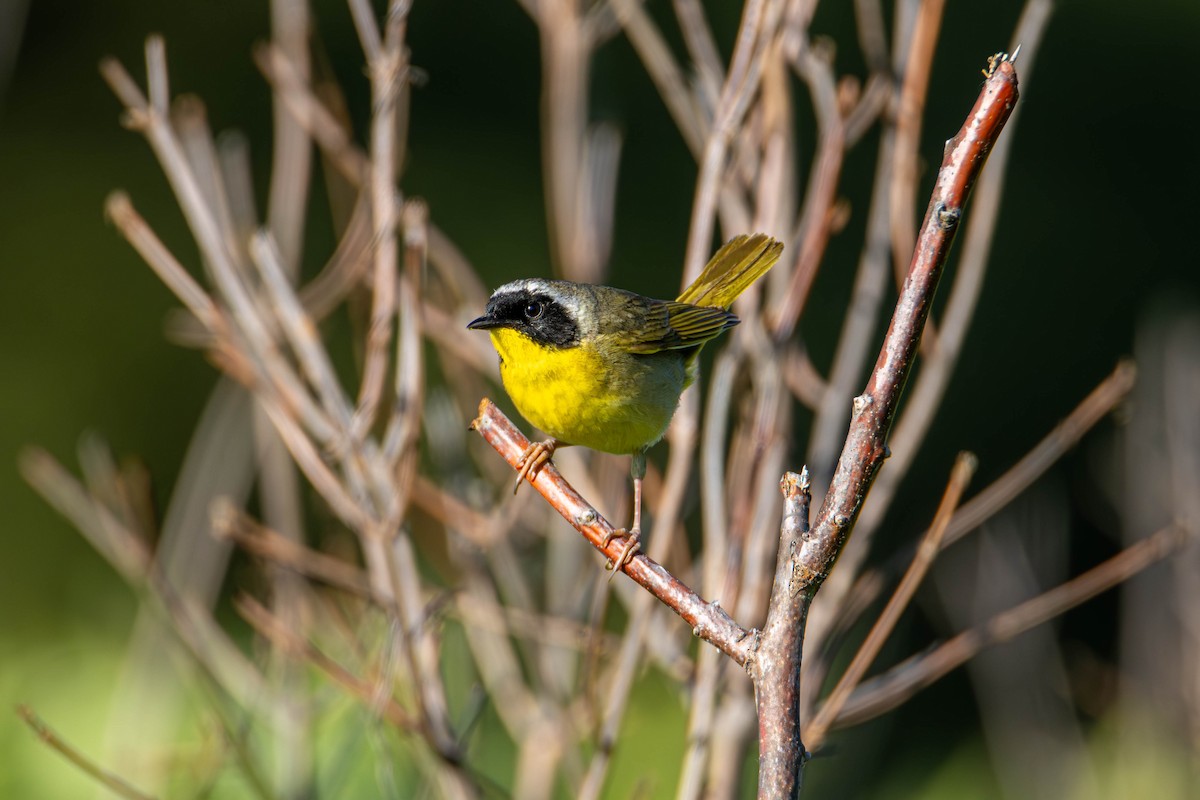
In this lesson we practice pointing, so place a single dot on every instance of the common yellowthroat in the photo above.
(603, 367)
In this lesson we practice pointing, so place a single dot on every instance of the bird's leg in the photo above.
(537, 454)
(634, 541)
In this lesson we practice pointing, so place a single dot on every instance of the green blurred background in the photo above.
(1097, 223)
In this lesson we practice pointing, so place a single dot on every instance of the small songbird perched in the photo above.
(603, 367)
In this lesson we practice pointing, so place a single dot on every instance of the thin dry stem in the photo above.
(760, 20)
(263, 542)
(908, 131)
(387, 66)
(667, 75)
(702, 47)
(194, 626)
(898, 684)
(813, 228)
(109, 780)
(670, 509)
(1101, 401)
(133, 227)
(927, 551)
(403, 430)
(275, 631)
(872, 36)
(291, 155)
(710, 667)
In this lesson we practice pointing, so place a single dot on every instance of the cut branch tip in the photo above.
(480, 421)
(118, 207)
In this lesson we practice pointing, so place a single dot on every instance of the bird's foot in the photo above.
(633, 544)
(537, 454)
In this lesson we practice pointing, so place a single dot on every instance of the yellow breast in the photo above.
(590, 395)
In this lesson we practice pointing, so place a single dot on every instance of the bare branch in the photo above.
(388, 67)
(708, 620)
(283, 551)
(866, 444)
(893, 687)
(776, 665)
(927, 551)
(273, 629)
(1020, 476)
(908, 129)
(760, 21)
(114, 783)
(938, 364)
(815, 67)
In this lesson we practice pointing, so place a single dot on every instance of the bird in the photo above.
(604, 368)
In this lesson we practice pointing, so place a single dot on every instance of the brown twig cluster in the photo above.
(416, 584)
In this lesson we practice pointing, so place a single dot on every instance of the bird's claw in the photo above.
(632, 545)
(537, 454)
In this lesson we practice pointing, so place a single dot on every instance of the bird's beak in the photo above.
(484, 323)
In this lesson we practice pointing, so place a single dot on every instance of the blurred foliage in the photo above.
(1095, 220)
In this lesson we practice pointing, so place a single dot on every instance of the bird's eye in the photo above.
(533, 309)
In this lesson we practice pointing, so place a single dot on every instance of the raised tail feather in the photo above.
(739, 263)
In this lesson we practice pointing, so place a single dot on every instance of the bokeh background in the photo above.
(1097, 236)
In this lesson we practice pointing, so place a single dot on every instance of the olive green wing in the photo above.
(667, 325)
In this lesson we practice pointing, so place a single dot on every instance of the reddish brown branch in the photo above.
(873, 410)
(708, 620)
(776, 667)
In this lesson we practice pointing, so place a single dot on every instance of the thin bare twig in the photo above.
(400, 439)
(275, 631)
(908, 130)
(760, 20)
(261, 541)
(291, 155)
(927, 551)
(1020, 476)
(872, 36)
(133, 227)
(387, 64)
(667, 75)
(670, 509)
(565, 52)
(1100, 401)
(885, 692)
(115, 783)
(205, 641)
(815, 67)
(702, 46)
